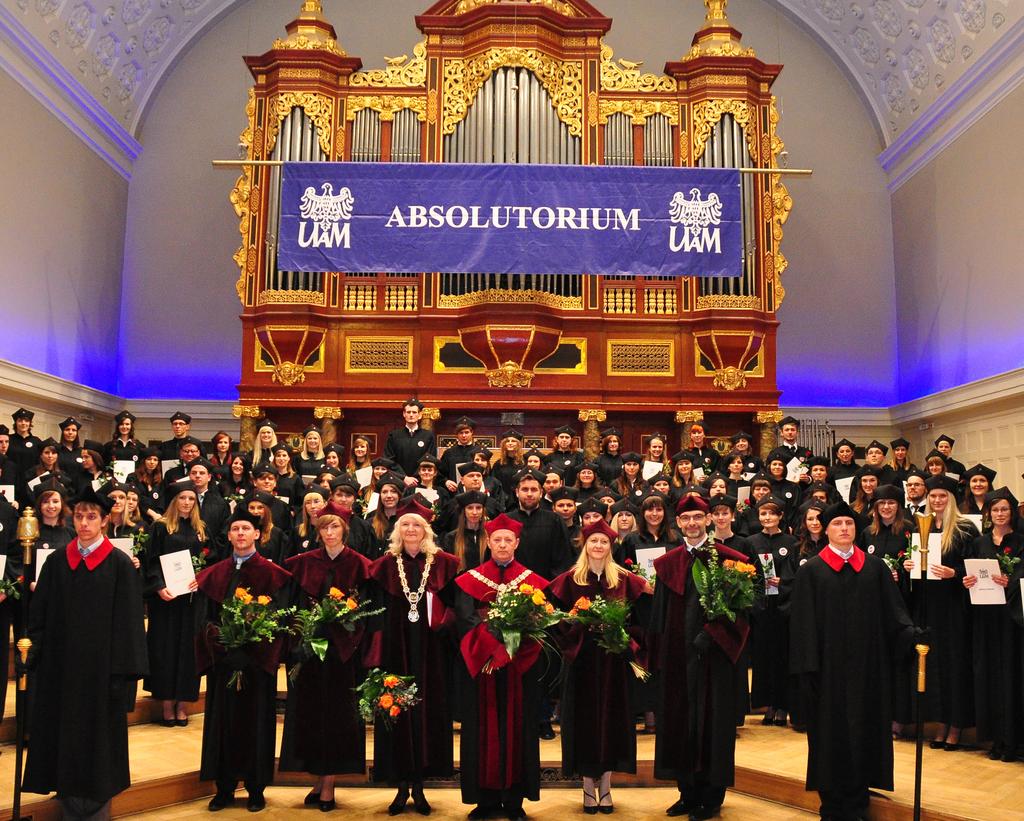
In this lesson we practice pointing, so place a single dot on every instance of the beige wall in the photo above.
(959, 249)
(182, 232)
(62, 235)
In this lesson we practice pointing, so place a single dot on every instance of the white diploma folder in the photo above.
(651, 469)
(178, 572)
(985, 591)
(645, 557)
(364, 476)
(42, 554)
(795, 469)
(124, 545)
(845, 487)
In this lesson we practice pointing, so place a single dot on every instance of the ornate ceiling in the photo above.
(901, 53)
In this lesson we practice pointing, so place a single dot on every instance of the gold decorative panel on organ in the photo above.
(533, 81)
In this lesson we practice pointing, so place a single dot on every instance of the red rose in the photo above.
(1006, 550)
(206, 551)
(629, 562)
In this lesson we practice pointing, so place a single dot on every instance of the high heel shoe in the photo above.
(312, 799)
(605, 809)
(397, 805)
(589, 809)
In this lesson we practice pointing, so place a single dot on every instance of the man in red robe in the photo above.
(239, 730)
(696, 709)
(500, 745)
(88, 650)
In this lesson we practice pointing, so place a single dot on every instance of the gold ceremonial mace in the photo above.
(924, 531)
(28, 535)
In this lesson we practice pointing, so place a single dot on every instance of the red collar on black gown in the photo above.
(674, 567)
(310, 570)
(836, 562)
(260, 574)
(93, 560)
(472, 586)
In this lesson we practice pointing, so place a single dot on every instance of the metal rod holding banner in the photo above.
(924, 530)
(790, 172)
(28, 534)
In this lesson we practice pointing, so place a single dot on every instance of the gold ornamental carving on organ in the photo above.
(782, 204)
(726, 49)
(639, 110)
(562, 79)
(509, 375)
(706, 115)
(625, 75)
(769, 417)
(385, 105)
(288, 374)
(270, 297)
(730, 378)
(728, 301)
(560, 6)
(241, 200)
(506, 296)
(400, 72)
(318, 108)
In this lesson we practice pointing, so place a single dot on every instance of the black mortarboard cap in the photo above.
(944, 438)
(23, 413)
(789, 420)
(980, 470)
(183, 417)
(942, 482)
(67, 423)
(874, 443)
(125, 414)
(838, 509)
(565, 429)
(464, 422)
(899, 443)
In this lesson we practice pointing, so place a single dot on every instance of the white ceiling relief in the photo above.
(901, 53)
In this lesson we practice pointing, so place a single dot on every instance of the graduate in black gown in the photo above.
(88, 651)
(949, 700)
(171, 636)
(240, 724)
(411, 639)
(323, 732)
(697, 703)
(499, 740)
(849, 626)
(598, 731)
(468, 541)
(998, 638)
(23, 448)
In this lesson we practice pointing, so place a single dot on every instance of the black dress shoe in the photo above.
(703, 813)
(681, 807)
(397, 805)
(952, 747)
(480, 812)
(221, 801)
(996, 752)
(515, 812)
(547, 732)
(420, 803)
(181, 722)
(166, 722)
(768, 720)
(256, 802)
(936, 745)
(312, 799)
(327, 806)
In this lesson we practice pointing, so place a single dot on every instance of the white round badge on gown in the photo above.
(419, 444)
(789, 495)
(135, 457)
(568, 462)
(871, 548)
(30, 444)
(803, 562)
(783, 551)
(78, 459)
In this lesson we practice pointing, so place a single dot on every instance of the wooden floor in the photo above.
(555, 805)
(770, 766)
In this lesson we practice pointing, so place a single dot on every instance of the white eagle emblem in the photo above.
(695, 213)
(327, 207)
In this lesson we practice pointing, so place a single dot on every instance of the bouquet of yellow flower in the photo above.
(607, 618)
(246, 619)
(386, 696)
(725, 588)
(311, 625)
(521, 612)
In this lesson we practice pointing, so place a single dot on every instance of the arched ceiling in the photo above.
(901, 54)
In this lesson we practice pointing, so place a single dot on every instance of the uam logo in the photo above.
(321, 215)
(695, 216)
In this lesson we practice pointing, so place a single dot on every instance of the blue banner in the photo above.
(531, 219)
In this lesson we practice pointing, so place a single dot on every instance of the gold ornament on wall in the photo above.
(562, 79)
(401, 72)
(625, 75)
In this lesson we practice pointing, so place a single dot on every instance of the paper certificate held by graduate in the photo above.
(984, 590)
(178, 572)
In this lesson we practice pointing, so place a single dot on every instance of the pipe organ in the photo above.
(510, 81)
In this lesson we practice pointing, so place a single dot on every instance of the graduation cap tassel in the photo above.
(924, 530)
(28, 535)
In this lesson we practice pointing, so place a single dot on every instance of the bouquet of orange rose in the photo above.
(246, 620)
(607, 618)
(311, 625)
(522, 612)
(725, 587)
(386, 696)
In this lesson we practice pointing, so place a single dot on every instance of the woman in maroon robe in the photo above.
(598, 731)
(323, 733)
(409, 640)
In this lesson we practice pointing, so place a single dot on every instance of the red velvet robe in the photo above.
(500, 745)
(696, 712)
(240, 725)
(598, 728)
(419, 745)
(323, 733)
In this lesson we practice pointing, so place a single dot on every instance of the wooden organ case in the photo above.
(510, 82)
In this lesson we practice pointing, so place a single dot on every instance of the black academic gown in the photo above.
(998, 652)
(88, 651)
(567, 461)
(171, 635)
(240, 724)
(323, 731)
(419, 745)
(24, 450)
(769, 623)
(405, 448)
(10, 607)
(849, 627)
(696, 714)
(544, 544)
(608, 467)
(499, 740)
(598, 730)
